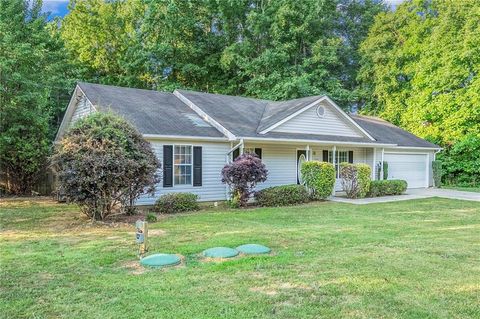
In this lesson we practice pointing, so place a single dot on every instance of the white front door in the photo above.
(412, 168)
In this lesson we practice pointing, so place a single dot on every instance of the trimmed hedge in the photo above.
(387, 187)
(176, 203)
(282, 195)
(319, 177)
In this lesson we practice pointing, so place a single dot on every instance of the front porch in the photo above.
(283, 160)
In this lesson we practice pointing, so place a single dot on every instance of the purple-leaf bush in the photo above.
(242, 175)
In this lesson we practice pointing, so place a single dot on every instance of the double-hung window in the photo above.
(340, 157)
(182, 165)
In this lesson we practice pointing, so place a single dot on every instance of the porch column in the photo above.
(374, 168)
(381, 164)
(308, 152)
(334, 159)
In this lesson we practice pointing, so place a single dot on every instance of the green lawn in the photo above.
(465, 189)
(409, 259)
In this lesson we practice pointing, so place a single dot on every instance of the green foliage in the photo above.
(268, 49)
(151, 217)
(33, 78)
(364, 173)
(176, 203)
(437, 173)
(419, 68)
(461, 162)
(387, 187)
(282, 195)
(104, 164)
(319, 177)
(355, 179)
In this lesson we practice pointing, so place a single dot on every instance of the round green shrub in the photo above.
(282, 195)
(319, 177)
(176, 203)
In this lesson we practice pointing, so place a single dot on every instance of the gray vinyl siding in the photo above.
(281, 162)
(213, 160)
(333, 123)
(82, 109)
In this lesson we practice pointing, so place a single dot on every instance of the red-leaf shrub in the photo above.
(243, 175)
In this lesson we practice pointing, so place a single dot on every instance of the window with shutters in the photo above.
(182, 165)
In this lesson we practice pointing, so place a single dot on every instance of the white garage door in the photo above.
(409, 167)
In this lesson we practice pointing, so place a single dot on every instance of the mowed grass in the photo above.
(463, 188)
(409, 259)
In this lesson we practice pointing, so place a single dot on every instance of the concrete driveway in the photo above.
(416, 193)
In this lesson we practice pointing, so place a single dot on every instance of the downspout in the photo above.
(227, 160)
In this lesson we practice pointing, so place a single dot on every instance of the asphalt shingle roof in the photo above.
(154, 112)
(151, 112)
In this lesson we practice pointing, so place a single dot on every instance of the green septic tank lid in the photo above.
(249, 249)
(160, 260)
(220, 252)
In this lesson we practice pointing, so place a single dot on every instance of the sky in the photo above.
(58, 8)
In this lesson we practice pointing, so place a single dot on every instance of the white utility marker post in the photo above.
(141, 236)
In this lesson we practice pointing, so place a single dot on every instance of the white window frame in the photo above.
(191, 165)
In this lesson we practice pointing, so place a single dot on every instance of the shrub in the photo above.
(319, 177)
(461, 162)
(437, 173)
(151, 217)
(242, 175)
(104, 164)
(176, 203)
(355, 179)
(282, 195)
(387, 187)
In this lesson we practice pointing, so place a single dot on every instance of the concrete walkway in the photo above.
(412, 194)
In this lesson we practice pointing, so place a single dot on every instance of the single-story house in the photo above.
(195, 134)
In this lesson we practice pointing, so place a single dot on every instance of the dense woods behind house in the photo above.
(416, 66)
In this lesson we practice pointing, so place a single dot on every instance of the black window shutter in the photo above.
(258, 151)
(350, 157)
(236, 153)
(197, 166)
(325, 156)
(167, 165)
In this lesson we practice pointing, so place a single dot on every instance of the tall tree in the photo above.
(420, 67)
(263, 48)
(32, 82)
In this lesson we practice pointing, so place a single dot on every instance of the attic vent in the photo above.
(196, 120)
(320, 111)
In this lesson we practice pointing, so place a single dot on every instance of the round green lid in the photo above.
(220, 252)
(160, 260)
(253, 249)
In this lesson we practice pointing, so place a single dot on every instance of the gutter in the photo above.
(315, 142)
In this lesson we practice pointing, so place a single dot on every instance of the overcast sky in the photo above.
(59, 7)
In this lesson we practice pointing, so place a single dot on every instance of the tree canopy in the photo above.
(33, 91)
(261, 48)
(420, 67)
